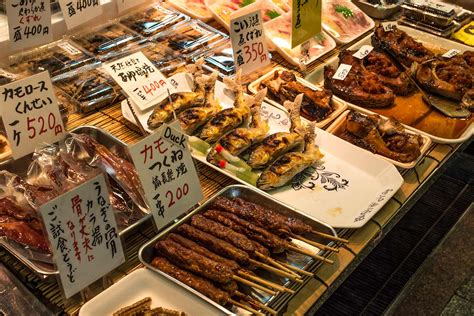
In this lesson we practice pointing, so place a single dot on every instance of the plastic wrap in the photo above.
(168, 66)
(221, 60)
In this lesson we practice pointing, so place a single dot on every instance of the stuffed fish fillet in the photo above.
(290, 164)
(280, 143)
(240, 139)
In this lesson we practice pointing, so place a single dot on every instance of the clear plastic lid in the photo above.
(166, 65)
(221, 60)
(58, 58)
(153, 20)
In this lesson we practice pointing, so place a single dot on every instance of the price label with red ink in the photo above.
(363, 51)
(342, 72)
(29, 23)
(140, 79)
(248, 42)
(167, 173)
(451, 53)
(123, 5)
(83, 234)
(78, 12)
(30, 114)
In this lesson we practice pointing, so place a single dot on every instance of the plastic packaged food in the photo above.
(194, 8)
(278, 31)
(379, 9)
(429, 12)
(222, 9)
(344, 21)
(58, 58)
(90, 89)
(109, 40)
(189, 40)
(153, 20)
(221, 60)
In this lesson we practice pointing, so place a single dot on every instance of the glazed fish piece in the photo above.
(191, 119)
(240, 139)
(290, 164)
(227, 119)
(280, 143)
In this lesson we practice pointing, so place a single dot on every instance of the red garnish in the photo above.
(219, 148)
(222, 164)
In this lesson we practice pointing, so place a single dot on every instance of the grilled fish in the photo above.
(227, 119)
(290, 164)
(280, 143)
(242, 138)
(193, 118)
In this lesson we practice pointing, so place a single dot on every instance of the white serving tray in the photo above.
(405, 165)
(345, 190)
(146, 283)
(339, 105)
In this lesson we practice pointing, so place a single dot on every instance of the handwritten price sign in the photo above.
(29, 23)
(30, 113)
(363, 51)
(167, 173)
(77, 12)
(140, 79)
(83, 233)
(342, 72)
(248, 42)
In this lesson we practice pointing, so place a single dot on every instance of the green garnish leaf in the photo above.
(246, 2)
(346, 12)
(272, 14)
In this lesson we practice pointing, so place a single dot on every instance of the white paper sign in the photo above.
(29, 23)
(451, 53)
(140, 79)
(77, 12)
(123, 5)
(167, 173)
(363, 51)
(342, 72)
(389, 26)
(248, 42)
(69, 48)
(30, 113)
(83, 234)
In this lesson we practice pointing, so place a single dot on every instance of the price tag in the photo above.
(140, 79)
(389, 26)
(342, 72)
(69, 48)
(167, 173)
(30, 113)
(248, 42)
(77, 12)
(83, 233)
(363, 51)
(29, 23)
(124, 5)
(305, 21)
(451, 53)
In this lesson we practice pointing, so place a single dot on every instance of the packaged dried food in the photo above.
(430, 12)
(189, 39)
(278, 31)
(344, 21)
(153, 20)
(58, 58)
(379, 9)
(90, 89)
(165, 63)
(221, 60)
(194, 8)
(109, 40)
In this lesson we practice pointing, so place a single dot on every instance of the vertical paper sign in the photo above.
(29, 23)
(123, 5)
(167, 173)
(140, 79)
(83, 233)
(248, 42)
(305, 20)
(77, 12)
(30, 113)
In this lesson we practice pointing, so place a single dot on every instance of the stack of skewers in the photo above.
(221, 248)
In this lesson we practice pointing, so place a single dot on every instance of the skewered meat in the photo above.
(360, 86)
(196, 282)
(214, 244)
(194, 262)
(401, 45)
(283, 86)
(223, 232)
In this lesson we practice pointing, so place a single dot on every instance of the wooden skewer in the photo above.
(266, 283)
(248, 308)
(252, 284)
(256, 302)
(330, 237)
(315, 244)
(276, 263)
(289, 266)
(309, 253)
(275, 270)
